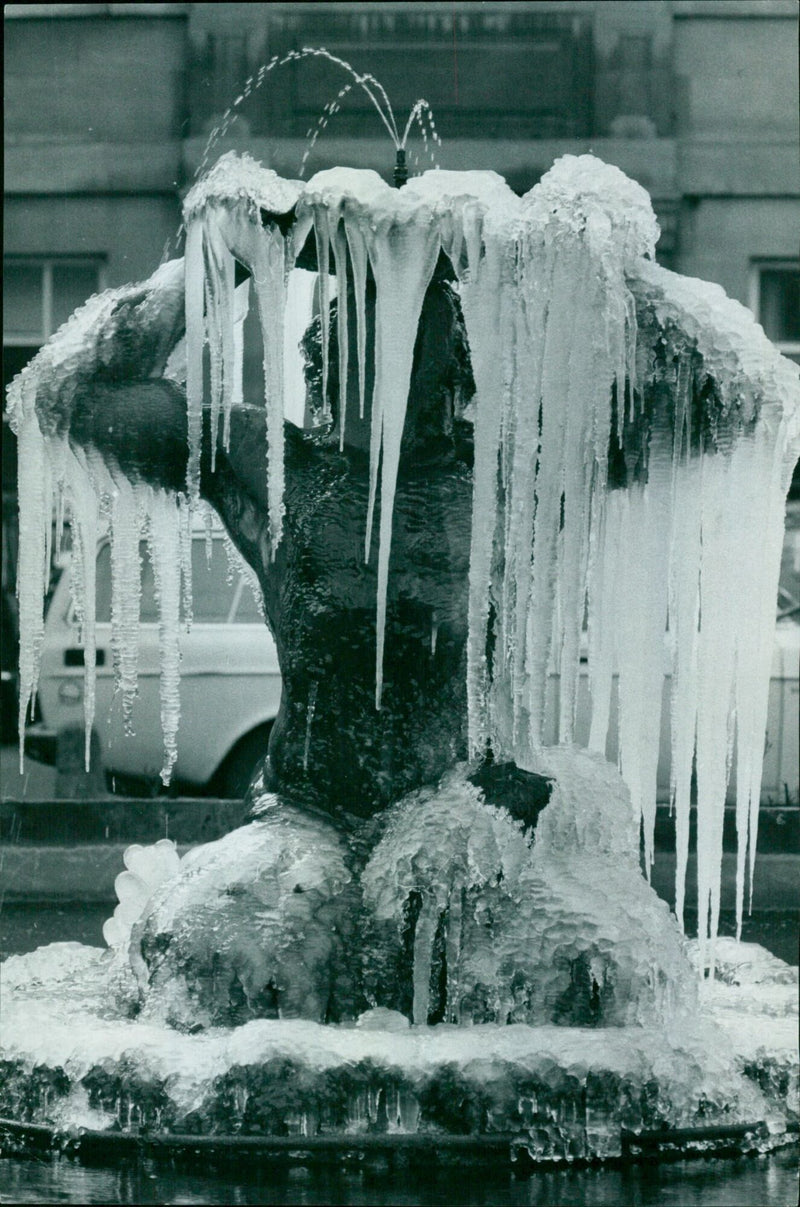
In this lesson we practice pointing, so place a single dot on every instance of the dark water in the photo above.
(770, 1181)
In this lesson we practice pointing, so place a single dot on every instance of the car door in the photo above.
(230, 678)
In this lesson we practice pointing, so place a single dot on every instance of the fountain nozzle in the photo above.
(400, 169)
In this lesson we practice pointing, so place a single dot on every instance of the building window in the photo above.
(39, 294)
(775, 300)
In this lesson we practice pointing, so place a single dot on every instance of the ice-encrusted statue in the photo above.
(534, 446)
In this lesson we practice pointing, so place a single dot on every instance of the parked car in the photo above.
(230, 680)
(230, 684)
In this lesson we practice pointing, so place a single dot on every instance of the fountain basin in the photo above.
(72, 1064)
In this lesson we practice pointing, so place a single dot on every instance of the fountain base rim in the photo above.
(507, 1148)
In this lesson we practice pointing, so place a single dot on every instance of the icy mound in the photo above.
(745, 368)
(442, 857)
(584, 191)
(122, 333)
(473, 925)
(590, 809)
(257, 924)
(336, 188)
(744, 965)
(240, 178)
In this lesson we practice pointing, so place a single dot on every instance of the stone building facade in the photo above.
(109, 108)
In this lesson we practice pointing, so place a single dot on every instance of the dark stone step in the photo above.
(192, 820)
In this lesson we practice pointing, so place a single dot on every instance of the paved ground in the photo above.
(36, 783)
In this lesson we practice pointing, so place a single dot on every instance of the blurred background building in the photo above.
(109, 108)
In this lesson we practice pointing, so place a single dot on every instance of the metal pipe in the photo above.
(400, 168)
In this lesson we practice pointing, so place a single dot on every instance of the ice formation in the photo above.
(145, 869)
(256, 924)
(222, 214)
(559, 928)
(563, 1092)
(576, 337)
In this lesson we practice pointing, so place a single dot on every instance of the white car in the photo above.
(230, 685)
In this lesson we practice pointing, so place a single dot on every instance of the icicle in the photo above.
(586, 442)
(84, 513)
(403, 258)
(684, 615)
(195, 342)
(641, 627)
(126, 587)
(769, 576)
(164, 550)
(558, 337)
(269, 269)
(34, 519)
(266, 254)
(241, 308)
(453, 949)
(482, 316)
(322, 238)
(239, 568)
(338, 240)
(523, 436)
(208, 520)
(604, 583)
(221, 324)
(423, 959)
(185, 515)
(358, 262)
(716, 687)
(760, 497)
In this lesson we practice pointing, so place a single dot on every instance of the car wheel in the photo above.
(241, 765)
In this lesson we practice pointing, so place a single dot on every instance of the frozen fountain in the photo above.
(533, 447)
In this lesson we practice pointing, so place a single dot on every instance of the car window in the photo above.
(212, 593)
(148, 609)
(789, 589)
(248, 610)
(215, 588)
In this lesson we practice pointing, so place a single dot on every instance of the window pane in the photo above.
(247, 611)
(72, 285)
(780, 304)
(22, 301)
(212, 594)
(103, 589)
(148, 611)
(789, 590)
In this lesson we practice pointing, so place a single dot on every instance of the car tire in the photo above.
(241, 765)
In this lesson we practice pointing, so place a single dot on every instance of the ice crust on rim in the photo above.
(240, 178)
(57, 1016)
(564, 311)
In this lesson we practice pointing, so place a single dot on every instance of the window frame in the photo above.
(757, 266)
(47, 264)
